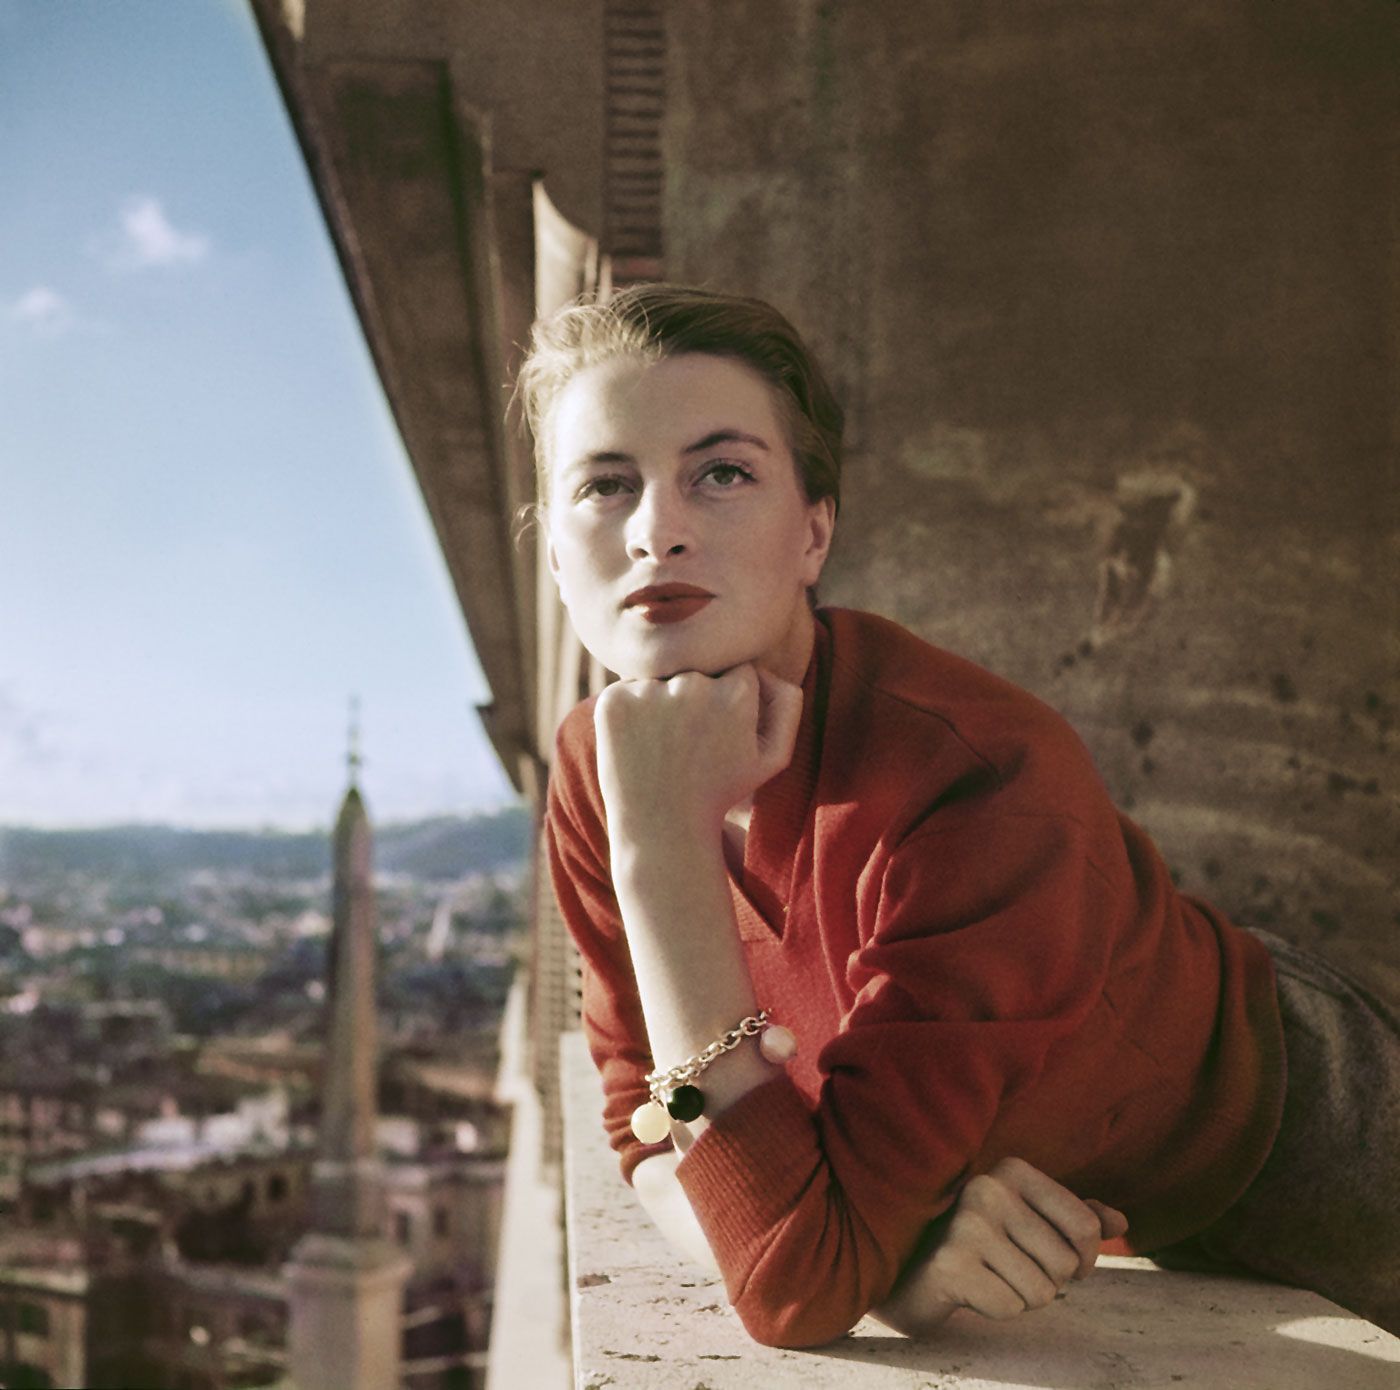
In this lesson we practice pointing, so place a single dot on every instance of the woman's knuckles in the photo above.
(1002, 1307)
(1011, 1170)
(974, 1191)
(985, 1194)
(967, 1227)
(1083, 1232)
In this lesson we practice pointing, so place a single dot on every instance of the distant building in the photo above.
(199, 1205)
(41, 1118)
(43, 1324)
(237, 964)
(187, 1327)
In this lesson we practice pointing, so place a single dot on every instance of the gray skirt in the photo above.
(1323, 1212)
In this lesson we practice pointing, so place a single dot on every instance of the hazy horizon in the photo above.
(267, 828)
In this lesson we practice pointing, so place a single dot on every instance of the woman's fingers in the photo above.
(1015, 1238)
(1111, 1221)
(981, 1289)
(1024, 1275)
(1077, 1222)
(1043, 1242)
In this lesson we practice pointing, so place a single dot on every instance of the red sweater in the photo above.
(979, 956)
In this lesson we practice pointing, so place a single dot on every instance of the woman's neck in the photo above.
(789, 660)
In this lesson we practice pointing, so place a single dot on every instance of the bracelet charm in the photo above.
(674, 1094)
(650, 1123)
(777, 1044)
(686, 1103)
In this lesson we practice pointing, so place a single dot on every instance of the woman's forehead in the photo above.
(669, 405)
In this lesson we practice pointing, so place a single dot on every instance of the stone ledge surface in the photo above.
(645, 1317)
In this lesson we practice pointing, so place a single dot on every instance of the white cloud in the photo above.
(48, 314)
(149, 238)
(44, 310)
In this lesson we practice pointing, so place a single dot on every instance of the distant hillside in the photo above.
(448, 847)
(445, 847)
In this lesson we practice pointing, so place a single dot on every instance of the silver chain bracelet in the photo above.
(660, 1082)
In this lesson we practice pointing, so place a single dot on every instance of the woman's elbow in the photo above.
(806, 1294)
(792, 1327)
(777, 1319)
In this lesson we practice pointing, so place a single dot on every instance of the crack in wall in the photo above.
(1135, 571)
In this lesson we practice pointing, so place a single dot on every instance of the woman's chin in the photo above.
(670, 657)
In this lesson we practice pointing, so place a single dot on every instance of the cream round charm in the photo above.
(650, 1123)
(777, 1044)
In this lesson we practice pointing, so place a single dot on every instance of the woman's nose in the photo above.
(658, 526)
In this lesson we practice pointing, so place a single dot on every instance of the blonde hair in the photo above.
(654, 321)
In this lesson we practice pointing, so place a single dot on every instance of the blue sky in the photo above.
(210, 536)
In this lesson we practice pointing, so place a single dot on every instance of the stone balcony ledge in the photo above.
(644, 1317)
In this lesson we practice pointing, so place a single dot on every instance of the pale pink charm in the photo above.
(777, 1044)
(650, 1123)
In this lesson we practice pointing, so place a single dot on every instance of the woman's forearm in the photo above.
(663, 1199)
(916, 1308)
(673, 894)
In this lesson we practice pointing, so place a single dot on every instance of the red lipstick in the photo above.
(664, 591)
(670, 610)
(667, 603)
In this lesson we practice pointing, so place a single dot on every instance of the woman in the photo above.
(996, 996)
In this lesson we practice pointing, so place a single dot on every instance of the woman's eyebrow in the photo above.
(598, 456)
(724, 436)
(715, 437)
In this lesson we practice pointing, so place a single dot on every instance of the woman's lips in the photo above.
(669, 610)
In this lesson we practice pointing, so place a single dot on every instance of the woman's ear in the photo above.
(550, 555)
(821, 522)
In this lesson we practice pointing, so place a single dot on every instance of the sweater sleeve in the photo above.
(611, 1011)
(988, 947)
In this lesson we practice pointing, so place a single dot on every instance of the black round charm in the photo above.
(686, 1103)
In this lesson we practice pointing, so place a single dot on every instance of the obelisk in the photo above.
(345, 1279)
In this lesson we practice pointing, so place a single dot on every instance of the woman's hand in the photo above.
(1011, 1242)
(679, 753)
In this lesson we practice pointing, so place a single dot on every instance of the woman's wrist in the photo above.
(727, 1080)
(663, 850)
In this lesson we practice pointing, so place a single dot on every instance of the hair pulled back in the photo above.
(656, 320)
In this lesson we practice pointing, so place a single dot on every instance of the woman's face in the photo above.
(680, 471)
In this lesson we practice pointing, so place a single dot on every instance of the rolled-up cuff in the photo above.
(748, 1169)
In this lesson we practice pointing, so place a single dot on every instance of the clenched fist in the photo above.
(675, 755)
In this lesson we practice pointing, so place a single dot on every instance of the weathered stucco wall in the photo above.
(1110, 291)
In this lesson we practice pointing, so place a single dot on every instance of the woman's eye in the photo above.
(728, 474)
(597, 486)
